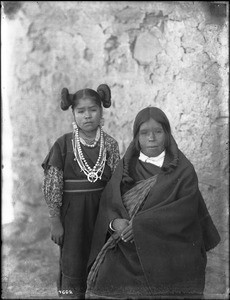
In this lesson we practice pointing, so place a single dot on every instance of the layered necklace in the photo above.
(91, 145)
(95, 173)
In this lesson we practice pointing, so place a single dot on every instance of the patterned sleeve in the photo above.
(53, 189)
(113, 150)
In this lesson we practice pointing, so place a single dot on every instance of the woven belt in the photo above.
(82, 186)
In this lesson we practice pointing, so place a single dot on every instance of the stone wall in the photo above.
(169, 54)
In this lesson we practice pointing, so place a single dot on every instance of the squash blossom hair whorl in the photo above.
(102, 97)
(105, 94)
(66, 99)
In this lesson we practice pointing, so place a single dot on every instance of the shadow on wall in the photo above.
(11, 8)
(216, 11)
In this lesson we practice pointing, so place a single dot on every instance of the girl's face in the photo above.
(87, 114)
(152, 138)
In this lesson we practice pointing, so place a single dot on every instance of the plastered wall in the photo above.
(169, 54)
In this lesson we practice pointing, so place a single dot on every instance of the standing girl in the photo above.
(76, 169)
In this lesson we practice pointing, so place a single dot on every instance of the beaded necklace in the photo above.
(95, 141)
(95, 173)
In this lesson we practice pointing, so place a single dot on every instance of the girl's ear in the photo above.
(136, 143)
(73, 115)
(167, 139)
(102, 121)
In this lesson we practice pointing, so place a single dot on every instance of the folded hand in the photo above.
(124, 228)
(127, 233)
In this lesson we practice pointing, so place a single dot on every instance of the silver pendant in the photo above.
(92, 177)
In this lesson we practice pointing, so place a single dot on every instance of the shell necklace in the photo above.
(95, 141)
(95, 173)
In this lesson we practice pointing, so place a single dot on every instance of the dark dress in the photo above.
(80, 201)
(172, 232)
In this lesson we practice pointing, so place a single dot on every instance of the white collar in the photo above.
(157, 160)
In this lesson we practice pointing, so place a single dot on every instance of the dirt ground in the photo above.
(30, 262)
(29, 259)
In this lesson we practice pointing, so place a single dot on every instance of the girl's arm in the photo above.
(53, 189)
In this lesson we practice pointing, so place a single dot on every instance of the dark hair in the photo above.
(145, 115)
(134, 147)
(101, 96)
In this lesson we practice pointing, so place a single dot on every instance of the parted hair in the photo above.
(134, 147)
(102, 96)
(158, 115)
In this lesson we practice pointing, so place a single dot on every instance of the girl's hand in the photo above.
(57, 231)
(127, 233)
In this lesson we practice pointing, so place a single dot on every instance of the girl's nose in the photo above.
(87, 114)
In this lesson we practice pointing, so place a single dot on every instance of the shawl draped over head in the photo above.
(172, 229)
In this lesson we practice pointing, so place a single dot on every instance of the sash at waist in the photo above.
(82, 186)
